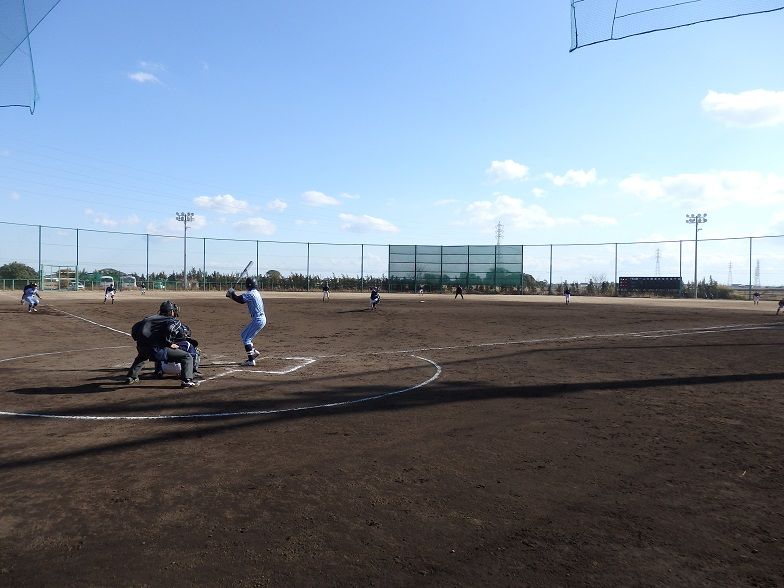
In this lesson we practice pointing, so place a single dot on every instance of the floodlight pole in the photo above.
(696, 220)
(185, 218)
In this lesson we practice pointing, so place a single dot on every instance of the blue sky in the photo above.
(399, 122)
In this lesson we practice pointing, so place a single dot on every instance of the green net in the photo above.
(18, 18)
(596, 21)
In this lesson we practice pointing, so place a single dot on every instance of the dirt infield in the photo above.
(499, 441)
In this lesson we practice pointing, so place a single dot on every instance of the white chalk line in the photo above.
(81, 318)
(645, 334)
(207, 415)
(642, 334)
(63, 351)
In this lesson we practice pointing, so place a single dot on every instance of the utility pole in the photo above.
(658, 263)
(696, 220)
(185, 218)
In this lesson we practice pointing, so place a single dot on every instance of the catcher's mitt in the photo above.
(230, 293)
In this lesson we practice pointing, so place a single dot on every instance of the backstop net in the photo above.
(595, 21)
(18, 18)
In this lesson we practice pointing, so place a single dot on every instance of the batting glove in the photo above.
(229, 292)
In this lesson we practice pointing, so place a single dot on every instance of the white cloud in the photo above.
(350, 196)
(574, 177)
(277, 205)
(223, 203)
(151, 66)
(257, 226)
(506, 170)
(538, 192)
(709, 190)
(444, 202)
(104, 220)
(314, 198)
(753, 108)
(365, 223)
(144, 77)
(512, 210)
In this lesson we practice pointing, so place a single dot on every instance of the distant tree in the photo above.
(17, 271)
(274, 276)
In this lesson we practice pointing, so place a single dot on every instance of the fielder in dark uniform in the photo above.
(109, 293)
(155, 338)
(375, 298)
(781, 305)
(459, 292)
(31, 295)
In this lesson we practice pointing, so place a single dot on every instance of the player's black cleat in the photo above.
(131, 380)
(189, 384)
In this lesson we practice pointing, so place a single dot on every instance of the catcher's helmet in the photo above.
(168, 307)
(251, 284)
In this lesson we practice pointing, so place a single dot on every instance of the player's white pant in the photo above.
(325, 296)
(31, 300)
(254, 328)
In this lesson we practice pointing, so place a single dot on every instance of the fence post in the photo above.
(750, 239)
(258, 276)
(441, 272)
(415, 266)
(522, 270)
(307, 283)
(147, 266)
(615, 279)
(550, 283)
(362, 267)
(40, 266)
(468, 266)
(76, 286)
(204, 264)
(680, 262)
(495, 267)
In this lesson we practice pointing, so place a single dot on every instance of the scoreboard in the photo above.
(655, 284)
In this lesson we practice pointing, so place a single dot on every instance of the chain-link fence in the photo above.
(57, 255)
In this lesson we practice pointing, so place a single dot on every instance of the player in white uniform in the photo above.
(257, 317)
(31, 296)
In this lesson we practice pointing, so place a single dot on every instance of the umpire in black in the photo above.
(155, 336)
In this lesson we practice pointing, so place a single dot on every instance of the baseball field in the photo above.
(491, 441)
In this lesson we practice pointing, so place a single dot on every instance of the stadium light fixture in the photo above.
(185, 218)
(696, 220)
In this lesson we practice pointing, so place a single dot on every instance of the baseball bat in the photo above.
(244, 273)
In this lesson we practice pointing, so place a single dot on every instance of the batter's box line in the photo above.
(239, 413)
(304, 361)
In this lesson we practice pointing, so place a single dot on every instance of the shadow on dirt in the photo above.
(439, 393)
